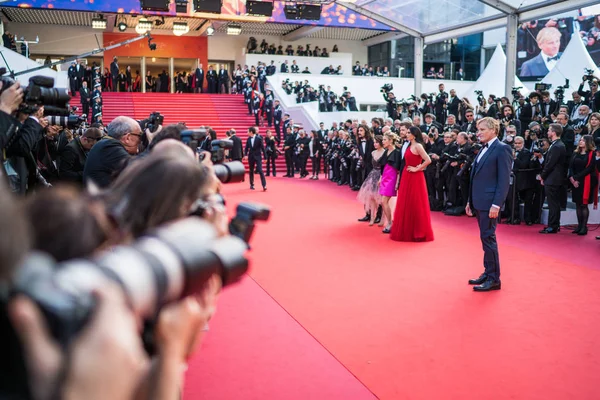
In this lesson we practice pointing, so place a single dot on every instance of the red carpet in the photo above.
(400, 317)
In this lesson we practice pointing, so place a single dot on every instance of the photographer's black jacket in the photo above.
(72, 162)
(105, 160)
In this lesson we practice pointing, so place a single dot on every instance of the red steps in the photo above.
(220, 112)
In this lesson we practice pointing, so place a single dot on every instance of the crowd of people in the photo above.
(301, 51)
(555, 152)
(88, 82)
(123, 162)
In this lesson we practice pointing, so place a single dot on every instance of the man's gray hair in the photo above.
(121, 126)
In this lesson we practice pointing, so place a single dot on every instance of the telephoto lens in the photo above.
(173, 262)
(231, 172)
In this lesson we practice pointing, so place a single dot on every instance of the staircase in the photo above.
(220, 112)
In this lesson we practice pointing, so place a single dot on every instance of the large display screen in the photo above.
(332, 14)
(540, 43)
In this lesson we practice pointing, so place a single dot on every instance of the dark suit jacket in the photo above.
(85, 95)
(568, 138)
(524, 179)
(104, 161)
(256, 151)
(453, 106)
(535, 67)
(236, 153)
(72, 162)
(223, 76)
(554, 171)
(490, 178)
(465, 127)
(199, 77)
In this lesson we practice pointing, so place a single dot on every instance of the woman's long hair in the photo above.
(416, 132)
(155, 190)
(589, 144)
(589, 125)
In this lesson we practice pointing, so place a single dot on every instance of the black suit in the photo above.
(524, 185)
(237, 152)
(84, 93)
(211, 78)
(469, 127)
(289, 147)
(223, 81)
(316, 157)
(553, 176)
(72, 162)
(199, 80)
(255, 150)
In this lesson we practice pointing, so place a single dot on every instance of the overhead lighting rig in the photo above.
(99, 22)
(180, 28)
(234, 29)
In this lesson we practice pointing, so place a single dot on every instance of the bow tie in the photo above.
(485, 146)
(552, 58)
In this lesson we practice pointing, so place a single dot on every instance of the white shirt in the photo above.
(404, 147)
(310, 147)
(252, 141)
(549, 64)
(484, 150)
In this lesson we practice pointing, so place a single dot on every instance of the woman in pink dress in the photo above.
(412, 219)
(390, 164)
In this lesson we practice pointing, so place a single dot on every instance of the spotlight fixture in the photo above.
(99, 23)
(180, 28)
(160, 21)
(234, 29)
(122, 26)
(210, 30)
(151, 45)
(143, 26)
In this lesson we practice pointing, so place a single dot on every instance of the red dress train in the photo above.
(412, 219)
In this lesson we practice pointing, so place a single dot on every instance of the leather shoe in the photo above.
(251, 187)
(377, 220)
(365, 218)
(264, 188)
(549, 230)
(482, 278)
(487, 286)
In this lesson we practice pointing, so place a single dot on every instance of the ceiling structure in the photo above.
(197, 26)
(438, 20)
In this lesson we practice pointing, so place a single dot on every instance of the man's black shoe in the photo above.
(487, 286)
(549, 230)
(482, 278)
(251, 187)
(366, 218)
(528, 223)
(264, 188)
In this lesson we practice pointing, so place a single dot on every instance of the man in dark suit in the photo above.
(223, 78)
(470, 126)
(114, 72)
(524, 182)
(453, 103)
(199, 79)
(548, 40)
(211, 78)
(237, 152)
(490, 180)
(85, 95)
(255, 150)
(553, 177)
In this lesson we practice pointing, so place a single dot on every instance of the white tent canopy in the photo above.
(493, 78)
(18, 62)
(571, 65)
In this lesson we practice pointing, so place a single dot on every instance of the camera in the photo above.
(540, 87)
(154, 121)
(589, 75)
(40, 92)
(70, 122)
(231, 172)
(480, 96)
(515, 91)
(388, 87)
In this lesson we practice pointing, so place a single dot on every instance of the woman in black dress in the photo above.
(583, 176)
(129, 79)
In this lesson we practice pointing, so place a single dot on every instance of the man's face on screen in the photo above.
(550, 46)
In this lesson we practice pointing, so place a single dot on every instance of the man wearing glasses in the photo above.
(109, 155)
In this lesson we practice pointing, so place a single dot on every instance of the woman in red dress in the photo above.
(412, 220)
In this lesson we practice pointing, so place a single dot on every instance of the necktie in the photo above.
(484, 146)
(552, 58)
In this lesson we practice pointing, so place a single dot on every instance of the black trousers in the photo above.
(249, 107)
(223, 87)
(303, 160)
(487, 234)
(271, 162)
(256, 165)
(85, 109)
(526, 196)
(537, 202)
(278, 131)
(289, 162)
(269, 117)
(316, 165)
(553, 195)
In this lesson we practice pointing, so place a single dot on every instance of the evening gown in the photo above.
(412, 220)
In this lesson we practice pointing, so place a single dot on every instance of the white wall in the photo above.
(57, 39)
(226, 47)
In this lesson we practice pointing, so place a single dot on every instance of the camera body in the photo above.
(40, 92)
(154, 121)
(589, 75)
(217, 151)
(388, 87)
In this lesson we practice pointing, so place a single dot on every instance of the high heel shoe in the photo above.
(387, 229)
(576, 231)
(583, 232)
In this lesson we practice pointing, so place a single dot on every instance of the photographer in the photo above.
(592, 96)
(524, 169)
(390, 98)
(436, 199)
(458, 188)
(73, 158)
(531, 110)
(441, 100)
(109, 156)
(509, 119)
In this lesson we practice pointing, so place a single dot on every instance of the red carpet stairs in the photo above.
(220, 112)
